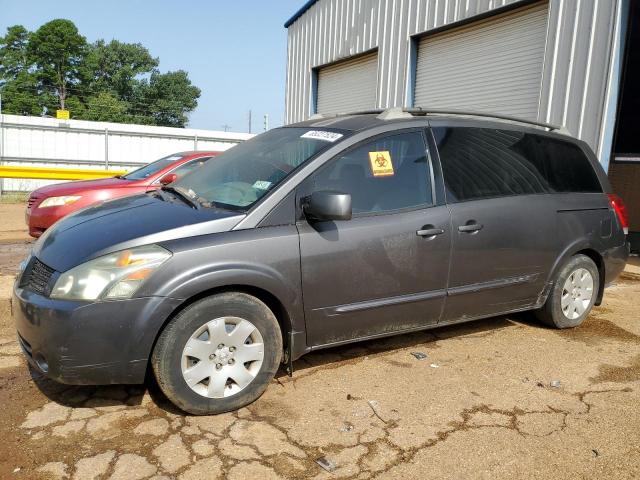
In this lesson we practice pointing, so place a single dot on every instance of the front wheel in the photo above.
(219, 354)
(572, 295)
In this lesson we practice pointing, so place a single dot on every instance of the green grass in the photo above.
(14, 197)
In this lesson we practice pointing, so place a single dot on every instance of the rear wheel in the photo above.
(572, 295)
(218, 354)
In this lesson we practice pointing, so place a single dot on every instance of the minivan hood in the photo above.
(125, 223)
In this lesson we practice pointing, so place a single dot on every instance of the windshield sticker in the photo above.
(381, 164)
(322, 135)
(262, 185)
(173, 158)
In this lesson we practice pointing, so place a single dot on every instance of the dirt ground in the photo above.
(499, 398)
(12, 222)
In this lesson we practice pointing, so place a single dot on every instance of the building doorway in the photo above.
(624, 169)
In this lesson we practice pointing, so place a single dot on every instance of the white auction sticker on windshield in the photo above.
(262, 185)
(322, 135)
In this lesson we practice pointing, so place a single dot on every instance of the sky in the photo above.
(235, 51)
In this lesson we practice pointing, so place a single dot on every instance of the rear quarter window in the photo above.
(564, 165)
(487, 163)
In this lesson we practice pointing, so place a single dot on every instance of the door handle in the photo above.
(470, 227)
(429, 232)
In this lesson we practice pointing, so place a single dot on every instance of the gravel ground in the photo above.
(499, 398)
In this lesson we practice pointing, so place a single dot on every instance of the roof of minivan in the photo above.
(352, 122)
(362, 121)
(367, 120)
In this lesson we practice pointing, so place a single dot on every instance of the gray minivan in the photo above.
(317, 234)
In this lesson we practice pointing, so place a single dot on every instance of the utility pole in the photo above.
(226, 127)
(266, 122)
(249, 121)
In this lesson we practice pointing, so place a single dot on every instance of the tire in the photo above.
(572, 295)
(248, 323)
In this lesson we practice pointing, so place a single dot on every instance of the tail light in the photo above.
(621, 211)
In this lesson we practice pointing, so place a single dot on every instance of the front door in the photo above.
(385, 270)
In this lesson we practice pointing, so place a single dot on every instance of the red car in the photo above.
(48, 204)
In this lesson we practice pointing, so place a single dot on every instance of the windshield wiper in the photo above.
(178, 192)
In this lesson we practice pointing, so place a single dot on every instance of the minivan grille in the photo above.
(36, 277)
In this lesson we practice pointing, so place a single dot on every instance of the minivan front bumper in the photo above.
(84, 343)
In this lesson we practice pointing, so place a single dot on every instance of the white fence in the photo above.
(49, 142)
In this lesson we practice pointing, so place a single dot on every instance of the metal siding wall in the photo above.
(576, 66)
(351, 27)
(575, 71)
(467, 68)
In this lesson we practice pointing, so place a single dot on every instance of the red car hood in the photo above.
(70, 188)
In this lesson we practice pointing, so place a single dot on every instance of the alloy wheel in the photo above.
(577, 293)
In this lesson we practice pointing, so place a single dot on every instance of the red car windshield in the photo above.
(152, 168)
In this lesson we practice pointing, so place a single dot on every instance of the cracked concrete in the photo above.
(372, 409)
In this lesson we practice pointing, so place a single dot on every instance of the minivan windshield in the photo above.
(242, 175)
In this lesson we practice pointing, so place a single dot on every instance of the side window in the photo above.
(386, 174)
(189, 167)
(563, 164)
(484, 163)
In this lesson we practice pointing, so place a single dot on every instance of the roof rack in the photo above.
(433, 111)
(394, 113)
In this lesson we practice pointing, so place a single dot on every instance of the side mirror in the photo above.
(168, 178)
(328, 205)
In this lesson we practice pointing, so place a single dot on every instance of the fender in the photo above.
(209, 277)
(276, 284)
(265, 260)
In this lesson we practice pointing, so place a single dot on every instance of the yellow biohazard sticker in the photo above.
(381, 164)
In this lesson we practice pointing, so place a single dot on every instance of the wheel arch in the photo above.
(582, 248)
(268, 298)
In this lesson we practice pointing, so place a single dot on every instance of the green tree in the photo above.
(14, 58)
(54, 67)
(57, 51)
(168, 98)
(18, 84)
(116, 67)
(20, 96)
(106, 107)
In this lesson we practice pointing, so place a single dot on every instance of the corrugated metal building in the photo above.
(557, 61)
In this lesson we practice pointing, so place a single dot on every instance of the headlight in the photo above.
(59, 201)
(117, 275)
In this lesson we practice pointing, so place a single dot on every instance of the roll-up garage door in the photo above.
(493, 65)
(348, 86)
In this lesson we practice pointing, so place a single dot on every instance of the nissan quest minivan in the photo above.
(317, 234)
